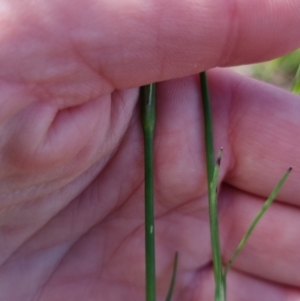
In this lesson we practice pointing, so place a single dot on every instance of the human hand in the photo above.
(71, 148)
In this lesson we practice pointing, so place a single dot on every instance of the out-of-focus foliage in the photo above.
(281, 71)
(296, 82)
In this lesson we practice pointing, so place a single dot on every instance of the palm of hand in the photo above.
(72, 185)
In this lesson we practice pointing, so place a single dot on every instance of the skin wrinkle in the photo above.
(235, 274)
(43, 285)
(29, 238)
(52, 272)
(72, 243)
(169, 240)
(40, 229)
(122, 244)
(23, 159)
(39, 186)
(8, 197)
(201, 278)
(118, 112)
(75, 124)
(118, 205)
(105, 81)
(15, 91)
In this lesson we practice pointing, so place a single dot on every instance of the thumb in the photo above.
(129, 43)
(136, 42)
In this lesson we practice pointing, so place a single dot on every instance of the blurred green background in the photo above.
(280, 72)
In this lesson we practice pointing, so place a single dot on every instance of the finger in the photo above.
(272, 252)
(245, 287)
(240, 286)
(131, 43)
(262, 125)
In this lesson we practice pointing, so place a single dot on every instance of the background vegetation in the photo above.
(280, 72)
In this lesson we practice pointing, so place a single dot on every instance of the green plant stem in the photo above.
(173, 279)
(148, 124)
(264, 208)
(213, 206)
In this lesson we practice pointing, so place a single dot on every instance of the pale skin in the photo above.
(71, 190)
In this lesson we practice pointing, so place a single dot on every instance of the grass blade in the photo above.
(256, 220)
(213, 209)
(173, 279)
(148, 124)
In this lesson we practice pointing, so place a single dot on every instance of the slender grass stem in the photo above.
(266, 205)
(148, 124)
(213, 206)
(212, 181)
(208, 128)
(173, 279)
